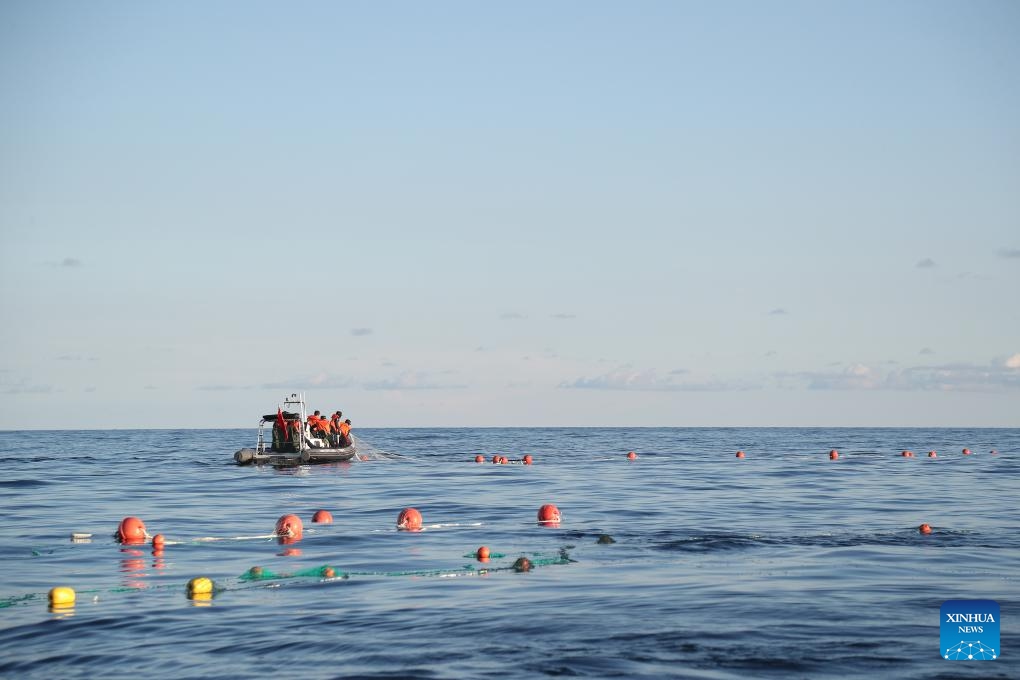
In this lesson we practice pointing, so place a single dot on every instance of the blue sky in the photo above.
(471, 214)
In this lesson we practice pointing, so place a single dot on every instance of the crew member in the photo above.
(335, 422)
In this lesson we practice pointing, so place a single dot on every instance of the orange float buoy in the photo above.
(495, 460)
(289, 528)
(907, 454)
(328, 572)
(158, 541)
(834, 454)
(482, 554)
(740, 454)
(932, 454)
(503, 460)
(131, 530)
(549, 514)
(924, 528)
(631, 455)
(409, 519)
(528, 460)
(479, 458)
(966, 452)
(322, 517)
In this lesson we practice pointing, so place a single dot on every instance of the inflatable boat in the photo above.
(293, 442)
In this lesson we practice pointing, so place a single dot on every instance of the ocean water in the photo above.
(784, 564)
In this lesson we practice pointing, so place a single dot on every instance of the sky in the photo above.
(510, 214)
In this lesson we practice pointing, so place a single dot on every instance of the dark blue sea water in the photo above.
(781, 565)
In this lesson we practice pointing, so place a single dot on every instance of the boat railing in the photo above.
(260, 445)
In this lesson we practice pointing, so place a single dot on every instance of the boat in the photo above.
(293, 442)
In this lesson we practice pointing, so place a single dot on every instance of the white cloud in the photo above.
(649, 380)
(995, 376)
(854, 377)
(410, 381)
(319, 381)
(22, 386)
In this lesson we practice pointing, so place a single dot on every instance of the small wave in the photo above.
(720, 541)
(23, 483)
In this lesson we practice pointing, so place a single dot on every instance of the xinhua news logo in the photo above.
(969, 630)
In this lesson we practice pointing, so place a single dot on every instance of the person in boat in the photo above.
(345, 433)
(335, 421)
(319, 426)
(314, 428)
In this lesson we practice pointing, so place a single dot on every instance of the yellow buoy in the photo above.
(62, 596)
(200, 585)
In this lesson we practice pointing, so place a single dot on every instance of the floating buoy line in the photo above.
(203, 587)
(289, 529)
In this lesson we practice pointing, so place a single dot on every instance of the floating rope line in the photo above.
(213, 539)
(424, 527)
(264, 574)
(562, 554)
(326, 572)
(31, 597)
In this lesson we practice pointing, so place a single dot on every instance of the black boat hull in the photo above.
(306, 457)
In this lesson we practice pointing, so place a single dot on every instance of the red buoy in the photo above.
(924, 528)
(740, 454)
(482, 554)
(322, 517)
(503, 460)
(158, 541)
(495, 459)
(907, 454)
(409, 519)
(549, 514)
(528, 460)
(834, 454)
(131, 530)
(966, 452)
(479, 458)
(631, 455)
(932, 454)
(289, 528)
